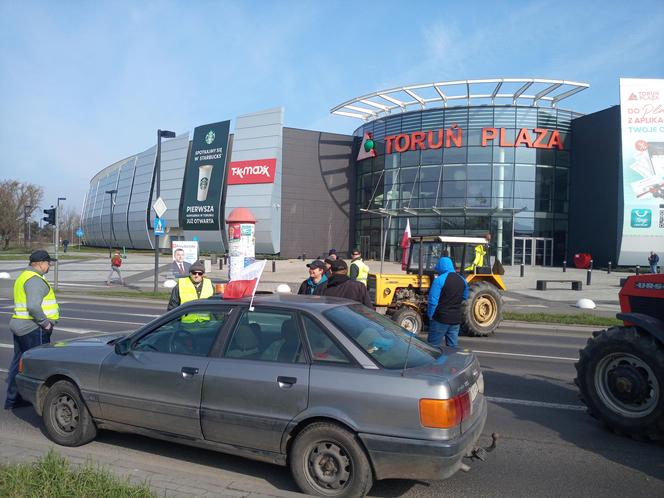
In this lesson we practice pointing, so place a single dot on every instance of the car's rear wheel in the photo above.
(327, 460)
(66, 417)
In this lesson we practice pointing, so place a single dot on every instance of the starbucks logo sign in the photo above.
(209, 138)
(203, 184)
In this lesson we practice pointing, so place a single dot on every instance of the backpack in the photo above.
(116, 261)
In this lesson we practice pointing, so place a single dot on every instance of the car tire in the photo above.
(66, 417)
(327, 460)
(409, 319)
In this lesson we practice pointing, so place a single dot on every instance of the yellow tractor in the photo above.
(404, 297)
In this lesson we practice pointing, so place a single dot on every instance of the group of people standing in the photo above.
(331, 277)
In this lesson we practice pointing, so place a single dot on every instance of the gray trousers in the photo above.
(115, 269)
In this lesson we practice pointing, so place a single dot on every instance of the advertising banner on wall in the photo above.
(254, 171)
(642, 124)
(203, 183)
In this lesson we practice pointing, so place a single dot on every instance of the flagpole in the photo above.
(251, 303)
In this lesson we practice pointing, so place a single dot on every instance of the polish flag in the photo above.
(245, 282)
(405, 244)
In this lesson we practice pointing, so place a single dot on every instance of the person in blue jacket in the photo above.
(446, 296)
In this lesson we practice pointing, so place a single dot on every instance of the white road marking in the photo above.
(531, 305)
(525, 355)
(539, 404)
(76, 331)
(8, 346)
(85, 319)
(4, 370)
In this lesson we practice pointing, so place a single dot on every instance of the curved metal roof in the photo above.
(496, 91)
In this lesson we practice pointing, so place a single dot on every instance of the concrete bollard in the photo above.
(274, 266)
(213, 258)
(589, 275)
(659, 269)
(564, 265)
(638, 269)
(221, 263)
(609, 269)
(591, 264)
(523, 269)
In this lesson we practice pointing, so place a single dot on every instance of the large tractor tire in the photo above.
(483, 310)
(409, 319)
(620, 374)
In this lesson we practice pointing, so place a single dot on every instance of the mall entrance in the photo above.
(532, 251)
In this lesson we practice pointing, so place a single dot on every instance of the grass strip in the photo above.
(574, 319)
(53, 476)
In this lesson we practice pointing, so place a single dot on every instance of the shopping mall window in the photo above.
(454, 155)
(524, 204)
(479, 193)
(546, 157)
(504, 117)
(524, 224)
(561, 183)
(392, 161)
(432, 156)
(410, 158)
(525, 172)
(525, 155)
(524, 189)
(454, 173)
(479, 172)
(526, 117)
(503, 154)
(507, 189)
(480, 154)
(507, 174)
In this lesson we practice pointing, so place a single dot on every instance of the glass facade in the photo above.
(514, 192)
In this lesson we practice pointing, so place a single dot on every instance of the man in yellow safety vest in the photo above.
(195, 286)
(35, 313)
(359, 270)
(481, 250)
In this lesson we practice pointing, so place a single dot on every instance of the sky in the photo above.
(84, 84)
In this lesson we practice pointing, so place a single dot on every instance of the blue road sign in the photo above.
(79, 233)
(159, 226)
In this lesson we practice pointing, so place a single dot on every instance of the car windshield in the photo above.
(384, 340)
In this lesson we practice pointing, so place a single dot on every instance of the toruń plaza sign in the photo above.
(538, 138)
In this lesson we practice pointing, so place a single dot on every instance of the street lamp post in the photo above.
(111, 232)
(26, 230)
(57, 237)
(160, 134)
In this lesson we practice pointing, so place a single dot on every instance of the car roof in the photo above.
(312, 303)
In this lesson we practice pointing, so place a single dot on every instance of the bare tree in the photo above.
(18, 201)
(70, 220)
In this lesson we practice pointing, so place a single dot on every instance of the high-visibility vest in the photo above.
(362, 270)
(478, 262)
(49, 304)
(188, 293)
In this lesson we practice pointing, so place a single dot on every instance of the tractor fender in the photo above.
(647, 323)
(413, 306)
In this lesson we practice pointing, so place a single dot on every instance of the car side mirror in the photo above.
(122, 347)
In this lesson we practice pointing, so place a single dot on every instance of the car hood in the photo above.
(88, 341)
(458, 367)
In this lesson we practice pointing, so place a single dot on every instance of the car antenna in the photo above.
(405, 361)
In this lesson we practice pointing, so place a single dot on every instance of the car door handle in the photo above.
(286, 382)
(189, 372)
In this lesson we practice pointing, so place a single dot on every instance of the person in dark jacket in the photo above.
(446, 296)
(340, 285)
(317, 282)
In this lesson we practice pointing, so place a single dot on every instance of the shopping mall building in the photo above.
(503, 156)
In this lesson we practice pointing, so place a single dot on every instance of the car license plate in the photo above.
(474, 389)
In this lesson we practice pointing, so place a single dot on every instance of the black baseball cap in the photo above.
(317, 263)
(338, 265)
(40, 255)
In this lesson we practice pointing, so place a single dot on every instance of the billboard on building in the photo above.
(642, 133)
(204, 176)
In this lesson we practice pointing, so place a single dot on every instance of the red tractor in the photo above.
(620, 372)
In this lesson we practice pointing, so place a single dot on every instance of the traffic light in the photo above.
(50, 216)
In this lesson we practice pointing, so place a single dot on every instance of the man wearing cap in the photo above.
(190, 288)
(359, 270)
(317, 282)
(35, 313)
(340, 285)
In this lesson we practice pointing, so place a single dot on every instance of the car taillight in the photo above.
(445, 413)
(20, 365)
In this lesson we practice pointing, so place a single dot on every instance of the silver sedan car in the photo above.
(339, 393)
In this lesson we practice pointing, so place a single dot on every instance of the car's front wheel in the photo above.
(66, 417)
(327, 460)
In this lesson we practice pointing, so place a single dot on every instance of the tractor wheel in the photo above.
(409, 319)
(620, 374)
(483, 310)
